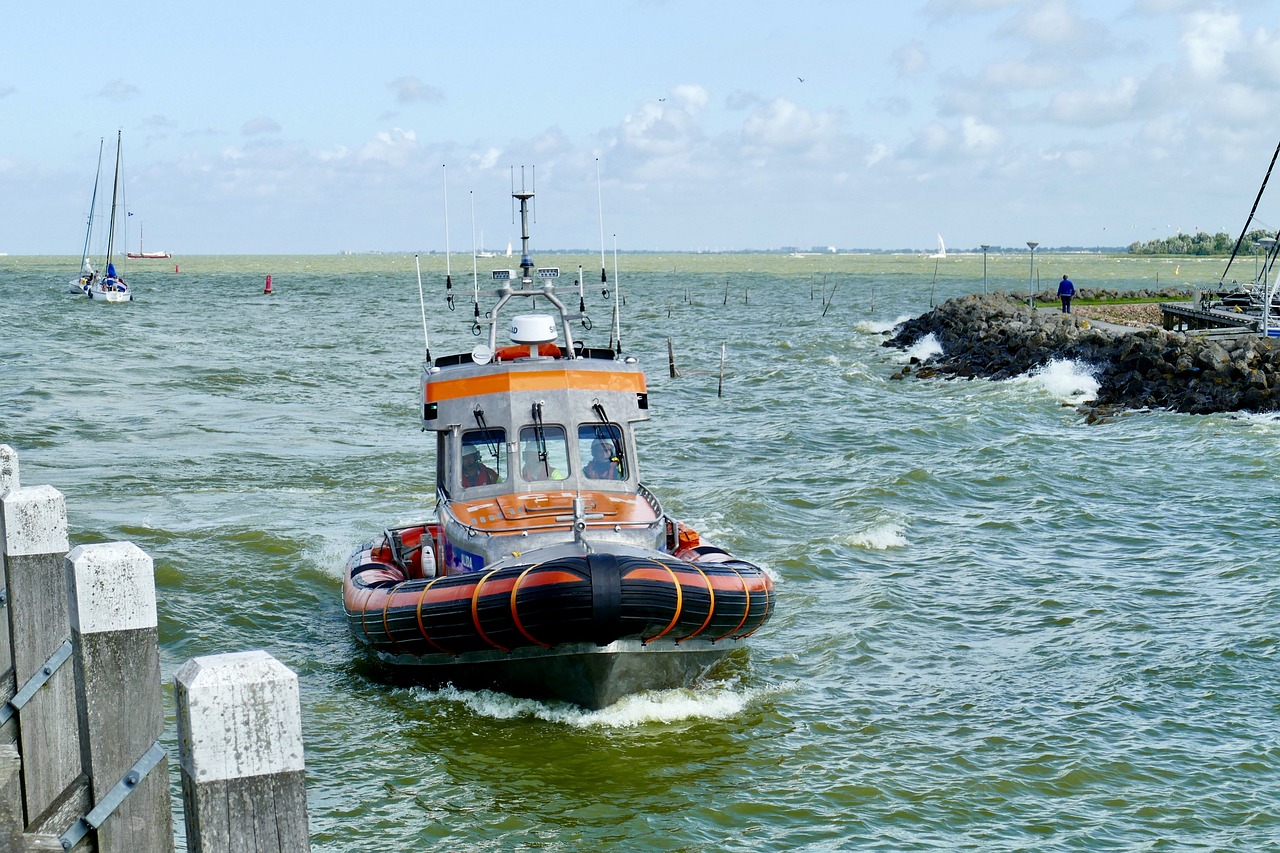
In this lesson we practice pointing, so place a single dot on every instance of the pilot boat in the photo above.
(549, 570)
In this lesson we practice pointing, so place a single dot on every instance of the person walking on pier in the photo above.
(1066, 290)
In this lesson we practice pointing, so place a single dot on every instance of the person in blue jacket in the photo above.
(1066, 290)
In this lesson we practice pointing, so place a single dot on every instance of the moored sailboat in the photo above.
(549, 569)
(111, 287)
(87, 273)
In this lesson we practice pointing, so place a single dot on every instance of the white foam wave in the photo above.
(1067, 380)
(879, 538)
(714, 701)
(879, 327)
(923, 349)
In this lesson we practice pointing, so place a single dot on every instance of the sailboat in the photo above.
(87, 273)
(146, 255)
(112, 288)
(482, 253)
(942, 249)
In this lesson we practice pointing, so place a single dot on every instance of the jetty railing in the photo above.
(82, 764)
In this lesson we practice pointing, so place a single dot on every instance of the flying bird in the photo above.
(801, 79)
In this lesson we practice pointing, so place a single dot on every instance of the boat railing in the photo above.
(560, 523)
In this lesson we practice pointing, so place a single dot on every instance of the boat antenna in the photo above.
(582, 302)
(526, 260)
(475, 270)
(1253, 210)
(448, 276)
(604, 279)
(422, 302)
(617, 297)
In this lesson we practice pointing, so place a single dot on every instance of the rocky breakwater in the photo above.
(994, 336)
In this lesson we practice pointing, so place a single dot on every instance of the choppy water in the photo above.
(999, 628)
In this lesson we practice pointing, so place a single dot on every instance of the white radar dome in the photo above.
(533, 329)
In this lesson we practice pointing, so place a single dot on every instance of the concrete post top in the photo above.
(115, 588)
(8, 468)
(33, 520)
(239, 715)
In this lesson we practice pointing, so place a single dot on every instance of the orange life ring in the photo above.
(523, 351)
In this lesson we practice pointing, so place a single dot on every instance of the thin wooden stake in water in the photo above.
(831, 299)
(671, 359)
(726, 291)
(720, 389)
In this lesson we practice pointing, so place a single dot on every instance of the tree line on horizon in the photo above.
(1200, 243)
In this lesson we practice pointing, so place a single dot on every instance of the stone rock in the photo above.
(996, 336)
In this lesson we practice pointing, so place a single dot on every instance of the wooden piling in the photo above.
(8, 480)
(115, 647)
(33, 537)
(671, 359)
(240, 734)
(720, 387)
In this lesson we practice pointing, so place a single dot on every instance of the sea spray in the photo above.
(1068, 380)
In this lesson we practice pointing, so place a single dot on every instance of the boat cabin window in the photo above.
(544, 453)
(484, 457)
(601, 448)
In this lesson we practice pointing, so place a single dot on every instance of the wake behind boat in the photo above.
(549, 570)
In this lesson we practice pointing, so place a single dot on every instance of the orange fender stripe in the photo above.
(711, 608)
(768, 608)
(475, 612)
(746, 607)
(679, 606)
(515, 615)
(385, 624)
(423, 628)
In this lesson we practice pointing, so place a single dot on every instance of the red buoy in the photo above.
(175, 267)
(268, 287)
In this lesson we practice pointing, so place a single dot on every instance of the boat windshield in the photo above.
(600, 448)
(484, 457)
(544, 453)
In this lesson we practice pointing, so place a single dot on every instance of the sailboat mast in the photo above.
(93, 204)
(115, 190)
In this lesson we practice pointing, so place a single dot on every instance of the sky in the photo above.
(663, 125)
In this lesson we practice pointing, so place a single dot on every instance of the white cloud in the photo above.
(118, 90)
(1206, 40)
(411, 90)
(393, 147)
(260, 124)
(1023, 74)
(1096, 107)
(979, 138)
(878, 152)
(784, 124)
(911, 59)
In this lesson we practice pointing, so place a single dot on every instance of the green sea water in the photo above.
(998, 628)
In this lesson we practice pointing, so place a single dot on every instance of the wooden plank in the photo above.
(33, 537)
(117, 668)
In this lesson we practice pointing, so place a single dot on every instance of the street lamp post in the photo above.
(1031, 281)
(1266, 243)
(984, 267)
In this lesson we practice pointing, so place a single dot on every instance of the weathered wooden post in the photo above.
(8, 480)
(671, 359)
(117, 666)
(33, 538)
(243, 774)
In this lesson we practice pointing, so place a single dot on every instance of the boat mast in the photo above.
(93, 204)
(115, 189)
(1252, 211)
